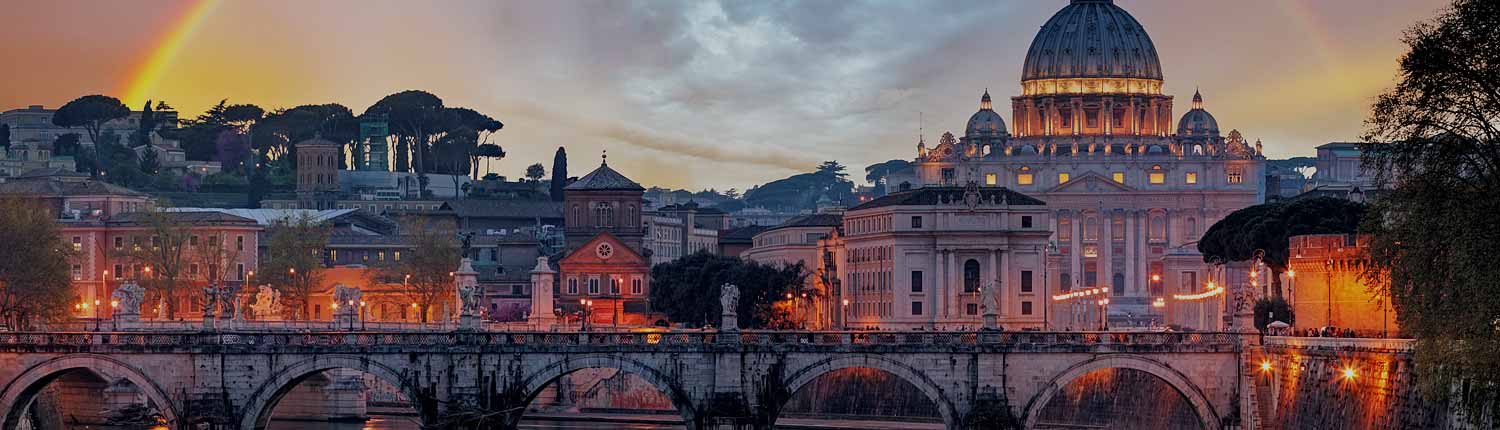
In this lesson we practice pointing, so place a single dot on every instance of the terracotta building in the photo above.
(1327, 290)
(603, 270)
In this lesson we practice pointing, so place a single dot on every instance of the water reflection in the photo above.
(410, 423)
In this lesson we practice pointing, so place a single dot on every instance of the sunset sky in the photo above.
(697, 94)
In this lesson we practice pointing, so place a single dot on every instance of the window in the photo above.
(239, 243)
(240, 272)
(916, 222)
(1091, 228)
(1117, 227)
(333, 255)
(1235, 175)
(989, 179)
(1158, 227)
(1157, 178)
(515, 290)
(119, 243)
(916, 308)
(971, 309)
(1064, 228)
(77, 243)
(193, 269)
(635, 287)
(1023, 179)
(1091, 118)
(971, 276)
(604, 214)
(1065, 281)
(594, 286)
(396, 256)
(1025, 221)
(77, 272)
(380, 256)
(948, 176)
(193, 240)
(1192, 178)
(1025, 281)
(614, 286)
(916, 281)
(572, 286)
(1062, 178)
(1119, 177)
(1025, 308)
(119, 272)
(155, 242)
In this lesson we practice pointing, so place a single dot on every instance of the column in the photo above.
(1077, 253)
(1131, 285)
(952, 292)
(939, 299)
(1005, 290)
(997, 276)
(1106, 249)
(1140, 251)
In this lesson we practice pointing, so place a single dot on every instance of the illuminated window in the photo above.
(78, 243)
(1023, 179)
(1119, 177)
(1062, 178)
(989, 179)
(1064, 229)
(1192, 177)
(1235, 175)
(1158, 178)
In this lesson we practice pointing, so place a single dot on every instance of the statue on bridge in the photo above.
(129, 296)
(210, 301)
(228, 306)
(729, 303)
(347, 298)
(267, 304)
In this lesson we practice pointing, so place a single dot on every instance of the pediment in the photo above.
(1090, 182)
(589, 253)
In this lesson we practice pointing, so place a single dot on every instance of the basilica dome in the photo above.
(1092, 39)
(1197, 122)
(986, 122)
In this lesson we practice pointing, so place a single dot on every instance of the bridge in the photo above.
(716, 380)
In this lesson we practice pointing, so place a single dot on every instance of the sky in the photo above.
(698, 94)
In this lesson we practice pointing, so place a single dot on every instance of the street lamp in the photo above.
(845, 314)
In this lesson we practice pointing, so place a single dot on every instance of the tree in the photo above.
(149, 162)
(687, 289)
(35, 286)
(559, 174)
(489, 151)
(1269, 309)
(66, 144)
(162, 253)
(875, 173)
(1263, 231)
(294, 261)
(145, 127)
(483, 126)
(91, 112)
(832, 168)
(414, 118)
(426, 270)
(535, 172)
(1434, 146)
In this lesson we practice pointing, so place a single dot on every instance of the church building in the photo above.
(603, 272)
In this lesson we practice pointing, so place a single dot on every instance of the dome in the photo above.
(1197, 122)
(986, 122)
(1091, 39)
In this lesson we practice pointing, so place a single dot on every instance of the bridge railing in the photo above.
(664, 338)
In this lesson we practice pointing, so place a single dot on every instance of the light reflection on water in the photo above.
(410, 423)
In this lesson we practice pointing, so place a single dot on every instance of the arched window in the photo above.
(1091, 228)
(1192, 227)
(1117, 227)
(1158, 227)
(971, 276)
(604, 214)
(1064, 227)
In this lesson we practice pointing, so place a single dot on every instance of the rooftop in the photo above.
(929, 196)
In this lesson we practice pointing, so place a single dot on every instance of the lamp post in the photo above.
(114, 323)
(96, 314)
(1104, 314)
(844, 314)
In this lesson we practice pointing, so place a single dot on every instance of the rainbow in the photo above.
(144, 77)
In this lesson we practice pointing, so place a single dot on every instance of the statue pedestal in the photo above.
(542, 302)
(468, 322)
(345, 321)
(127, 322)
(729, 322)
(990, 321)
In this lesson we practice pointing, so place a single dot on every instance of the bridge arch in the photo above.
(537, 380)
(1207, 416)
(257, 410)
(20, 391)
(796, 380)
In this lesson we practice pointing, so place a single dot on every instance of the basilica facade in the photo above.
(1093, 138)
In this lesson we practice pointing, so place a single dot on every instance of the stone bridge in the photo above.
(716, 380)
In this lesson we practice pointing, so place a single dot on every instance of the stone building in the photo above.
(34, 124)
(923, 258)
(1094, 139)
(603, 269)
(317, 174)
(1326, 289)
(816, 242)
(674, 231)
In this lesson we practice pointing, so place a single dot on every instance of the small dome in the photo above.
(1197, 122)
(986, 122)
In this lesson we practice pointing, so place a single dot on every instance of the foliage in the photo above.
(294, 261)
(34, 271)
(414, 118)
(147, 125)
(162, 251)
(91, 112)
(535, 172)
(1433, 142)
(425, 270)
(559, 174)
(231, 149)
(66, 144)
(803, 190)
(1265, 229)
(487, 152)
(1269, 309)
(876, 173)
(150, 163)
(687, 289)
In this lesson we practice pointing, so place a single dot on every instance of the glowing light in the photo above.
(144, 77)
(1213, 291)
(1349, 373)
(1265, 366)
(1159, 303)
(1291, 273)
(1155, 278)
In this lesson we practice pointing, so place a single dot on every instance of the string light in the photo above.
(1215, 291)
